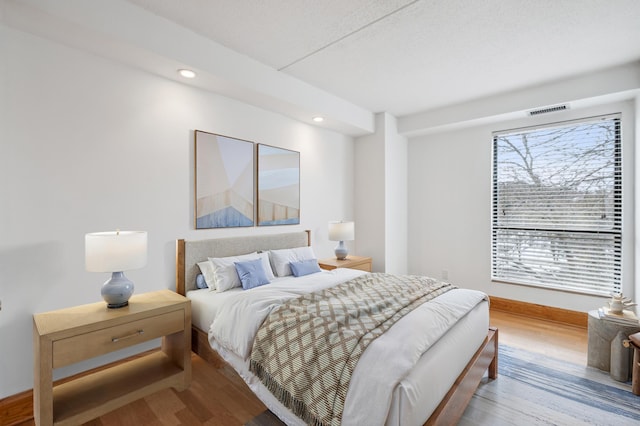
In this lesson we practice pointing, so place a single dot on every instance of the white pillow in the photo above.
(224, 269)
(206, 268)
(266, 265)
(280, 259)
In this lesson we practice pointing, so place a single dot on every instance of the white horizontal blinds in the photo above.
(557, 206)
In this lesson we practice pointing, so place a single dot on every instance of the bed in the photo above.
(426, 393)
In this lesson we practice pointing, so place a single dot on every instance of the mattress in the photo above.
(414, 396)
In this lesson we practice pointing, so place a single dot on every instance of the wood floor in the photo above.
(566, 342)
(218, 396)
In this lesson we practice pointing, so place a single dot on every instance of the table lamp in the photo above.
(341, 231)
(116, 252)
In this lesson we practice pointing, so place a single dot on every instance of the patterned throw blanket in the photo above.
(306, 350)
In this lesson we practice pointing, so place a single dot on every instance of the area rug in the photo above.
(532, 389)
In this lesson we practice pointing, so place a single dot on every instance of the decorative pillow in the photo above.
(280, 259)
(251, 273)
(206, 268)
(224, 270)
(305, 267)
(200, 282)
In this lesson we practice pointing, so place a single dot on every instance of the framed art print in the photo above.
(224, 187)
(278, 186)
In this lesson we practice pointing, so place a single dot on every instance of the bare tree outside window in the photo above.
(557, 207)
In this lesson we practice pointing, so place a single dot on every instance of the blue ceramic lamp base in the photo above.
(117, 290)
(341, 251)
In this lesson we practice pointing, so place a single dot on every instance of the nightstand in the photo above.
(352, 262)
(67, 336)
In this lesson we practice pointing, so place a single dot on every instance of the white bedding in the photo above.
(205, 304)
(383, 385)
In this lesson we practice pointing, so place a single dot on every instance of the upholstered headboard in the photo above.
(189, 253)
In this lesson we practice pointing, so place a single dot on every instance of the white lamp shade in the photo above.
(115, 251)
(341, 231)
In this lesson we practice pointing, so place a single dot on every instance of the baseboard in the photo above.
(549, 313)
(18, 408)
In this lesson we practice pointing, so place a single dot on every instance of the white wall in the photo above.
(450, 208)
(636, 240)
(370, 197)
(396, 220)
(90, 145)
(381, 196)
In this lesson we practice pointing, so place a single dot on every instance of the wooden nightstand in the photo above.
(352, 262)
(68, 336)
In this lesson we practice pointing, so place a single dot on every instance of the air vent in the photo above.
(547, 110)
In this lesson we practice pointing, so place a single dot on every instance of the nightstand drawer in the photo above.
(77, 348)
(362, 267)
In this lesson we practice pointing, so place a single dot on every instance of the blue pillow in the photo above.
(251, 273)
(200, 282)
(304, 267)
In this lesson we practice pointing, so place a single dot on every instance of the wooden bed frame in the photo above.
(452, 405)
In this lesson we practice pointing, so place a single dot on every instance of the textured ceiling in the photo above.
(405, 57)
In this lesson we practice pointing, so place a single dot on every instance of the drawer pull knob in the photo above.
(117, 339)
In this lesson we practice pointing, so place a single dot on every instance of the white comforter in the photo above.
(384, 363)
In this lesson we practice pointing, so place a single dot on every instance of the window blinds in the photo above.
(557, 206)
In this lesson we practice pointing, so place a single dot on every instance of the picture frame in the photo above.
(224, 181)
(278, 186)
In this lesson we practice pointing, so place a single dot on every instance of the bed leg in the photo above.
(493, 367)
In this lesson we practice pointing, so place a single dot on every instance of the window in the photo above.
(557, 206)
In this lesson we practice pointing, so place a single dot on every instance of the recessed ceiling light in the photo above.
(187, 73)
(318, 119)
